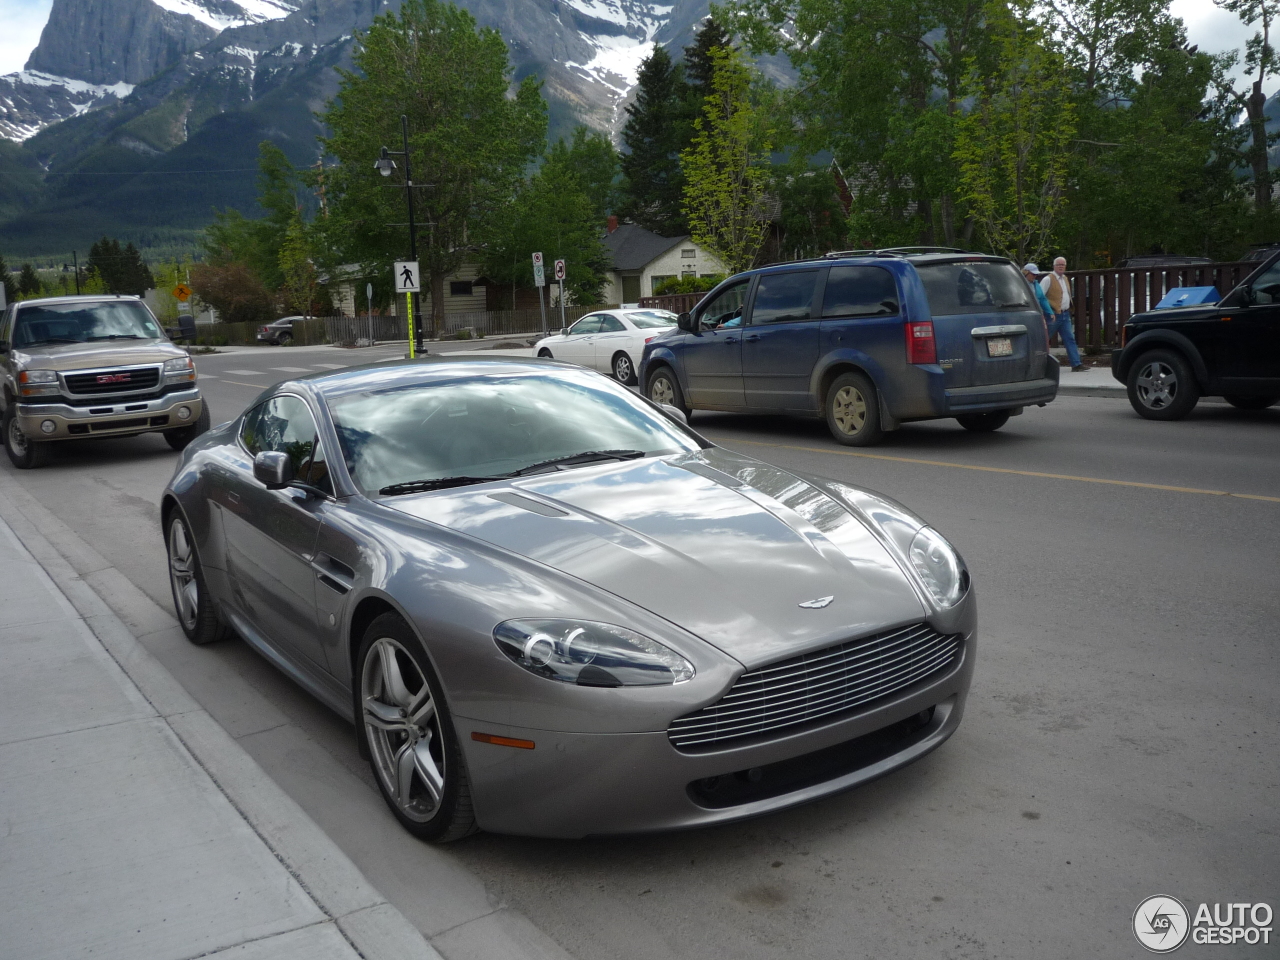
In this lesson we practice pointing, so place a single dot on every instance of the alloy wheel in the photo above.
(622, 369)
(182, 573)
(1157, 385)
(660, 391)
(849, 410)
(403, 730)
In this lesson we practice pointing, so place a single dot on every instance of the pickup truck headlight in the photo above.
(38, 383)
(590, 654)
(179, 369)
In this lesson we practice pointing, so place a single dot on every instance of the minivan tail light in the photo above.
(920, 343)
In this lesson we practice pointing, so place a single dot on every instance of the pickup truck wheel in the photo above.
(1162, 386)
(664, 388)
(983, 422)
(853, 411)
(1250, 403)
(191, 601)
(179, 437)
(26, 454)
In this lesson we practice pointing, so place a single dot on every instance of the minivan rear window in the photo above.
(979, 286)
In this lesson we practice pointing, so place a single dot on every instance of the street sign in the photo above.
(537, 259)
(539, 274)
(559, 269)
(182, 292)
(406, 275)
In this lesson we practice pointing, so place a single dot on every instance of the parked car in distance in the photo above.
(868, 341)
(1171, 358)
(92, 366)
(552, 609)
(611, 341)
(278, 332)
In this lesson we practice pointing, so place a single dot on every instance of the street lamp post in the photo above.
(384, 166)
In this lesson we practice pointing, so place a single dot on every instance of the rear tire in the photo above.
(1251, 403)
(1162, 386)
(181, 436)
(285, 339)
(409, 732)
(983, 422)
(663, 387)
(197, 614)
(853, 411)
(26, 454)
(624, 371)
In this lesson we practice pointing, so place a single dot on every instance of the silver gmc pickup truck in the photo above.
(96, 366)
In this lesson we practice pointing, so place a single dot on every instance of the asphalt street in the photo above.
(1121, 738)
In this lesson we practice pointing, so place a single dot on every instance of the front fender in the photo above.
(1154, 338)
(660, 353)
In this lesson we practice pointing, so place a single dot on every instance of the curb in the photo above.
(375, 928)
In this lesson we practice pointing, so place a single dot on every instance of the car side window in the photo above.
(784, 297)
(285, 424)
(1266, 289)
(726, 308)
(589, 324)
(859, 292)
(611, 325)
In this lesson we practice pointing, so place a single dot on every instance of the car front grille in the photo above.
(139, 378)
(818, 685)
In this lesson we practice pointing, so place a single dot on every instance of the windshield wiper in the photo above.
(436, 483)
(116, 336)
(36, 343)
(588, 456)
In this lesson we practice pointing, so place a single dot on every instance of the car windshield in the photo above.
(492, 426)
(81, 322)
(648, 319)
(980, 286)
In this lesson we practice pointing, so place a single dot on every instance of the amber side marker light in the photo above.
(501, 741)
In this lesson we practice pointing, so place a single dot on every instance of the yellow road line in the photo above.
(1020, 473)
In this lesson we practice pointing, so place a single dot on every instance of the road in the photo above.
(1121, 737)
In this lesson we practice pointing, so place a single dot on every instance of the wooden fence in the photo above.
(1101, 300)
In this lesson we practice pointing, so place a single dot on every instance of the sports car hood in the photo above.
(730, 554)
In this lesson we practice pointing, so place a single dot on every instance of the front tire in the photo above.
(197, 614)
(624, 371)
(664, 388)
(853, 411)
(1162, 386)
(25, 453)
(545, 353)
(1250, 403)
(413, 747)
(179, 437)
(983, 422)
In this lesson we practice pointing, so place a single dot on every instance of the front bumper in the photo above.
(112, 418)
(573, 785)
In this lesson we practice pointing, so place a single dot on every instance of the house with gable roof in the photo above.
(642, 258)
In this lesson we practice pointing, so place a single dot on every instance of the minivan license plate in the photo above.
(1000, 347)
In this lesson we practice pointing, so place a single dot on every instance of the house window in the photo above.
(658, 280)
(689, 253)
(459, 288)
(688, 273)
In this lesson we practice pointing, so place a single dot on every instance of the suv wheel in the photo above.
(853, 411)
(26, 454)
(1250, 403)
(1162, 386)
(179, 437)
(664, 388)
(983, 422)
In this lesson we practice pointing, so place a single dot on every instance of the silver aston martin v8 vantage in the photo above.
(551, 608)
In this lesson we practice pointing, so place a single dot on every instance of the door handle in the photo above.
(751, 339)
(730, 339)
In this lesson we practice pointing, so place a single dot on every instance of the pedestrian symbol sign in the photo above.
(406, 276)
(182, 292)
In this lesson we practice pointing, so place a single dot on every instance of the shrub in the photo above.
(687, 284)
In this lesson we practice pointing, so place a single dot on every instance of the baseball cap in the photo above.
(1030, 268)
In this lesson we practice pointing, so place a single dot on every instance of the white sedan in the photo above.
(611, 341)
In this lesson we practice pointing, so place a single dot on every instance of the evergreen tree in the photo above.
(590, 159)
(137, 276)
(656, 131)
(10, 284)
(28, 282)
(232, 237)
(699, 65)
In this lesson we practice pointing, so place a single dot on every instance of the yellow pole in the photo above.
(408, 301)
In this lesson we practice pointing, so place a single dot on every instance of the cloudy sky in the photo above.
(22, 20)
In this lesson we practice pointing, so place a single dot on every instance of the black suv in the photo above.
(1171, 358)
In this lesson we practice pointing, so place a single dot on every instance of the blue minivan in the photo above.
(869, 341)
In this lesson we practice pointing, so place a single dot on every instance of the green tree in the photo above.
(591, 160)
(10, 284)
(234, 291)
(28, 283)
(656, 131)
(301, 281)
(726, 167)
(120, 268)
(811, 219)
(1013, 145)
(469, 141)
(700, 64)
(233, 237)
(1259, 56)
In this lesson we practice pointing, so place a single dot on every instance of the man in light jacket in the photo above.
(1058, 292)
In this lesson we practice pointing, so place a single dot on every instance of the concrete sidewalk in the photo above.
(1092, 381)
(119, 838)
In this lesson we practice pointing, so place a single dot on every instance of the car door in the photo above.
(712, 356)
(577, 345)
(780, 341)
(1250, 339)
(861, 311)
(612, 338)
(271, 534)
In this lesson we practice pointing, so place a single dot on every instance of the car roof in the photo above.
(919, 256)
(399, 373)
(81, 298)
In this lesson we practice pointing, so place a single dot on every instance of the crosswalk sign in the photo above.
(406, 276)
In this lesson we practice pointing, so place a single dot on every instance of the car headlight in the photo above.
(590, 654)
(38, 383)
(179, 369)
(938, 566)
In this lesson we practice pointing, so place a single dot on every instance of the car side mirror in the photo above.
(564, 331)
(675, 413)
(1248, 295)
(685, 322)
(273, 469)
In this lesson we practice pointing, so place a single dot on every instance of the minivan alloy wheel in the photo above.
(850, 409)
(660, 391)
